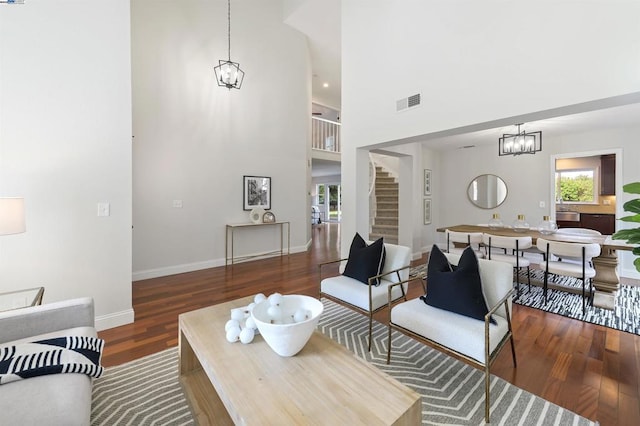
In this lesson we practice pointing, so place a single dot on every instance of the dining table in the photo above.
(606, 281)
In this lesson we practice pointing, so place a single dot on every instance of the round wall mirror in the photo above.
(487, 191)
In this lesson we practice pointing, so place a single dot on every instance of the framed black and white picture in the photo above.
(427, 182)
(427, 211)
(257, 192)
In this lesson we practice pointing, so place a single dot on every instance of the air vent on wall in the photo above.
(408, 103)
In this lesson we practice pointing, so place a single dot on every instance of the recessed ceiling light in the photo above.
(325, 85)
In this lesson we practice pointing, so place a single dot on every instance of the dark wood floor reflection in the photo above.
(591, 370)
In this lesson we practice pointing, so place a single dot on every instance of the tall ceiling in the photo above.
(320, 20)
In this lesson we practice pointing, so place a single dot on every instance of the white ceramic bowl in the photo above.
(288, 338)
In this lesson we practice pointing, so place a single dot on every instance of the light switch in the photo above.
(177, 204)
(104, 209)
(542, 204)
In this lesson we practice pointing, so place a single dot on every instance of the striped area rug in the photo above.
(147, 391)
(625, 316)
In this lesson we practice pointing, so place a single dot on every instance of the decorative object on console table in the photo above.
(631, 235)
(256, 215)
(268, 217)
(256, 192)
(427, 211)
(427, 182)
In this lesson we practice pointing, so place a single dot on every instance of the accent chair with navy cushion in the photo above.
(453, 326)
(370, 295)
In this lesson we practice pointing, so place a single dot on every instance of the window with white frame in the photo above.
(576, 186)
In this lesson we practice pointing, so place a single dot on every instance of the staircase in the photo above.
(385, 223)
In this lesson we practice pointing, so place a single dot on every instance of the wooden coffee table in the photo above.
(232, 383)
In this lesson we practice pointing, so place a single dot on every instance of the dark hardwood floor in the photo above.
(589, 369)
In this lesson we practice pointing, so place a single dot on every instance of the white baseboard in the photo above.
(115, 319)
(175, 269)
(197, 266)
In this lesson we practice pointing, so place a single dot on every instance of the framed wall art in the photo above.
(427, 211)
(427, 182)
(256, 192)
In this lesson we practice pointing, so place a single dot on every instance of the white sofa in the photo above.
(56, 399)
(462, 335)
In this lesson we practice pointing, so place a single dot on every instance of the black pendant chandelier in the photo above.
(520, 143)
(228, 73)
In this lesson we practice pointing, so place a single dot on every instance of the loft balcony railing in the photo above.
(325, 134)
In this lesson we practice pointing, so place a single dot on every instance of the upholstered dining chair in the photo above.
(512, 248)
(473, 239)
(371, 297)
(583, 270)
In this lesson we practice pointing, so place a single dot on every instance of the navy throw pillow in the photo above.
(456, 289)
(365, 261)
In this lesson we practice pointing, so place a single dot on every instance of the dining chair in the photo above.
(512, 248)
(466, 239)
(583, 270)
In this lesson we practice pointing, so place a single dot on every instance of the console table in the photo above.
(229, 240)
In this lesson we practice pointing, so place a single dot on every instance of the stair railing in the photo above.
(373, 205)
(325, 134)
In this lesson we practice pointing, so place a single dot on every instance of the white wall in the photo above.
(474, 63)
(65, 145)
(194, 141)
(528, 178)
(480, 61)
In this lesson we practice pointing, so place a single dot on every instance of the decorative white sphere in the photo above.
(250, 323)
(237, 314)
(275, 299)
(233, 334)
(301, 315)
(275, 313)
(246, 335)
(250, 306)
(231, 323)
(259, 298)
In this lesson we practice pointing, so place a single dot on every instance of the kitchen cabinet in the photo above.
(605, 223)
(567, 224)
(608, 174)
